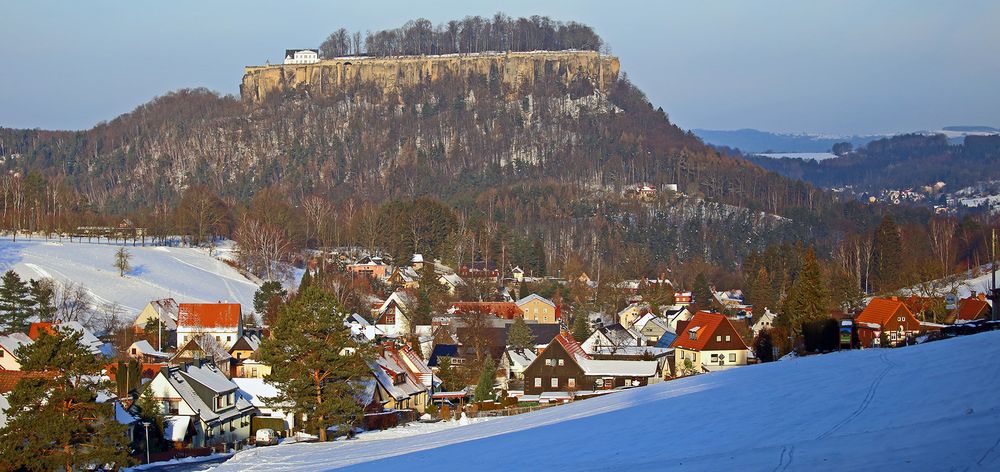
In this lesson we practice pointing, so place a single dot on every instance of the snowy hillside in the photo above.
(186, 274)
(961, 285)
(925, 407)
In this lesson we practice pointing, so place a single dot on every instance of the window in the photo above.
(719, 338)
(239, 355)
(732, 357)
(715, 358)
(692, 335)
(217, 339)
(548, 362)
(561, 362)
(538, 381)
(555, 382)
(253, 372)
(571, 383)
(727, 338)
(1, 352)
(230, 338)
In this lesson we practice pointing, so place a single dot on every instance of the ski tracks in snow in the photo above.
(866, 401)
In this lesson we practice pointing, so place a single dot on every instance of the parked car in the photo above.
(266, 437)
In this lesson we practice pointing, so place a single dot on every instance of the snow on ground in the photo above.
(186, 274)
(961, 286)
(808, 156)
(924, 407)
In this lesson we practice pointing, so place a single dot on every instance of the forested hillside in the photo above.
(540, 175)
(905, 161)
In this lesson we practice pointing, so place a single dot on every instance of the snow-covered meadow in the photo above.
(925, 407)
(186, 274)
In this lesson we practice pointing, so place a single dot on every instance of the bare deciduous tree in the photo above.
(262, 248)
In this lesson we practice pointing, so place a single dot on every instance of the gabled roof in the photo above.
(166, 309)
(970, 309)
(880, 310)
(210, 380)
(521, 358)
(205, 343)
(12, 342)
(209, 315)
(144, 347)
(535, 296)
(442, 350)
(572, 347)
(246, 343)
(706, 326)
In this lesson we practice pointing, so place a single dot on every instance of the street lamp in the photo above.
(145, 424)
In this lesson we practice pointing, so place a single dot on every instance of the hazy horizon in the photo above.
(825, 67)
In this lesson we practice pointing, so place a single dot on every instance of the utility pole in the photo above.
(994, 295)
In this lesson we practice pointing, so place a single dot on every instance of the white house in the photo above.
(301, 56)
(224, 321)
(392, 317)
(762, 321)
(709, 343)
(611, 339)
(9, 345)
(144, 351)
(202, 407)
(255, 390)
(675, 314)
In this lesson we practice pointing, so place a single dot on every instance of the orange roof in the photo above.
(9, 378)
(505, 310)
(147, 371)
(36, 329)
(880, 310)
(705, 324)
(209, 315)
(972, 309)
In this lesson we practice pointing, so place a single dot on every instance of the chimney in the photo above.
(895, 299)
(982, 296)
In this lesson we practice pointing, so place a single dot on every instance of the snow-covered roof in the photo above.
(12, 342)
(144, 347)
(535, 296)
(521, 358)
(122, 416)
(618, 368)
(253, 390)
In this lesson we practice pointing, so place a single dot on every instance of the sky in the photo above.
(821, 66)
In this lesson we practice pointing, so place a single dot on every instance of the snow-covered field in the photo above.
(926, 407)
(186, 274)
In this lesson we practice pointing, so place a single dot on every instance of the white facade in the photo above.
(301, 56)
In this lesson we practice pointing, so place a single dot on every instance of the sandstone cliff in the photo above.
(514, 69)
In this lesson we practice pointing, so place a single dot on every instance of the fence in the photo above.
(512, 411)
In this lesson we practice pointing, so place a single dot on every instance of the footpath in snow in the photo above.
(925, 407)
(186, 274)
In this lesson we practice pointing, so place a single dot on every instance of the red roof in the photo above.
(505, 310)
(209, 315)
(706, 327)
(572, 347)
(881, 310)
(972, 309)
(35, 330)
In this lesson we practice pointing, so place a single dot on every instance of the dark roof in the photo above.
(666, 339)
(443, 350)
(543, 333)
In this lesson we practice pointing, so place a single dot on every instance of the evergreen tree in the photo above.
(451, 379)
(484, 389)
(702, 292)
(760, 293)
(54, 420)
(317, 364)
(306, 281)
(15, 303)
(887, 256)
(42, 292)
(808, 300)
(763, 346)
(149, 410)
(581, 327)
(519, 335)
(265, 293)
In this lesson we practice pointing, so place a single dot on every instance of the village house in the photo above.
(201, 406)
(371, 267)
(563, 366)
(403, 379)
(268, 415)
(392, 316)
(405, 277)
(451, 282)
(972, 309)
(761, 321)
(201, 348)
(515, 361)
(683, 298)
(144, 352)
(224, 321)
(479, 269)
(301, 56)
(538, 309)
(9, 344)
(518, 274)
(708, 342)
(651, 327)
(244, 360)
(612, 338)
(501, 310)
(675, 315)
(165, 311)
(889, 316)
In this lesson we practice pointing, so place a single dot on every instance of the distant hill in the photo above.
(755, 141)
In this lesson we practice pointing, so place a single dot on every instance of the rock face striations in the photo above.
(514, 69)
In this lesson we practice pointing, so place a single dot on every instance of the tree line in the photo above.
(472, 34)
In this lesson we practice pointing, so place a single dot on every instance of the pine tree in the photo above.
(808, 300)
(42, 292)
(317, 364)
(450, 377)
(519, 335)
(702, 292)
(54, 420)
(763, 346)
(484, 389)
(265, 293)
(760, 293)
(306, 281)
(15, 303)
(150, 411)
(887, 256)
(581, 327)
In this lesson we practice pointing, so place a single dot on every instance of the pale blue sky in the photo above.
(818, 66)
